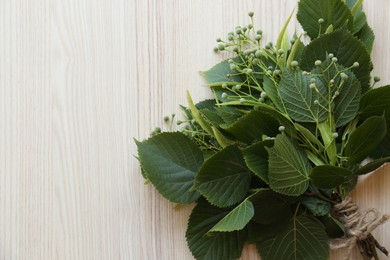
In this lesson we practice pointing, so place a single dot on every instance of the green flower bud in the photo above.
(259, 32)
(336, 93)
(242, 100)
(219, 39)
(166, 118)
(335, 135)
(261, 100)
(258, 37)
(157, 130)
(234, 88)
(321, 20)
(330, 55)
(263, 94)
(230, 37)
(238, 87)
(233, 66)
(238, 31)
(215, 49)
(343, 76)
(277, 72)
(221, 46)
(250, 26)
(312, 86)
(244, 29)
(270, 67)
(281, 128)
(224, 85)
(236, 49)
(331, 82)
(334, 59)
(318, 63)
(224, 95)
(294, 64)
(316, 102)
(269, 72)
(178, 122)
(313, 80)
(377, 79)
(251, 14)
(280, 51)
(356, 64)
(255, 61)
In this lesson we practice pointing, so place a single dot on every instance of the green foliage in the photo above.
(217, 246)
(171, 161)
(365, 139)
(328, 176)
(237, 219)
(346, 48)
(333, 12)
(282, 141)
(304, 238)
(224, 179)
(289, 167)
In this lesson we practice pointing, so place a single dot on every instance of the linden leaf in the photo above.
(289, 167)
(171, 161)
(215, 246)
(224, 178)
(304, 238)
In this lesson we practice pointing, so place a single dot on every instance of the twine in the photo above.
(357, 226)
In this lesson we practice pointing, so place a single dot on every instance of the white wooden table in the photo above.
(78, 80)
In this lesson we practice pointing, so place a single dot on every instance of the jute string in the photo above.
(357, 226)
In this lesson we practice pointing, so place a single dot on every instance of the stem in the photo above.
(321, 197)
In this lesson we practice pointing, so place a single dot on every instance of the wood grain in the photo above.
(79, 79)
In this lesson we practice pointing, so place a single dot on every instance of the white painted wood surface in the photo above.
(78, 80)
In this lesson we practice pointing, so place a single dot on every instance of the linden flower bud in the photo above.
(219, 39)
(261, 100)
(215, 49)
(234, 88)
(250, 26)
(224, 95)
(281, 128)
(356, 64)
(178, 122)
(313, 80)
(233, 66)
(334, 59)
(255, 61)
(258, 37)
(280, 51)
(221, 46)
(269, 71)
(244, 29)
(335, 135)
(263, 94)
(336, 93)
(330, 55)
(238, 87)
(230, 37)
(316, 102)
(331, 82)
(259, 32)
(321, 20)
(294, 64)
(224, 85)
(157, 130)
(249, 71)
(277, 72)
(343, 76)
(242, 100)
(312, 86)
(235, 49)
(318, 63)
(166, 118)
(251, 14)
(238, 31)
(377, 79)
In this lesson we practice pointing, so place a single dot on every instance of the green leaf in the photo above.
(197, 115)
(212, 117)
(256, 158)
(333, 227)
(236, 219)
(299, 98)
(347, 102)
(171, 161)
(289, 167)
(229, 114)
(372, 166)
(218, 246)
(347, 48)
(252, 126)
(271, 207)
(334, 12)
(365, 139)
(218, 74)
(303, 239)
(224, 178)
(367, 36)
(375, 102)
(316, 206)
(328, 176)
